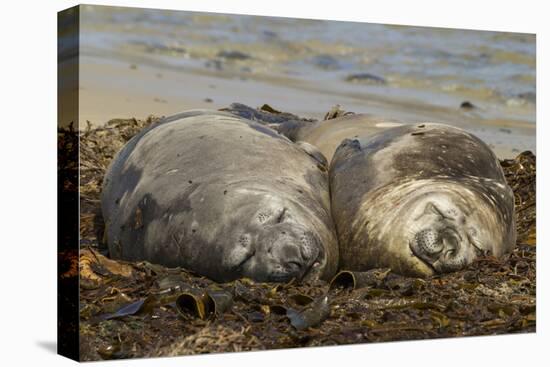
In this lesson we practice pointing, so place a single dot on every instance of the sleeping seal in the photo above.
(221, 196)
(420, 199)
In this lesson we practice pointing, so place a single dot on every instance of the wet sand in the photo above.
(140, 62)
(126, 88)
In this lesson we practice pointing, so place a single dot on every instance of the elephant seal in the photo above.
(327, 135)
(221, 196)
(420, 199)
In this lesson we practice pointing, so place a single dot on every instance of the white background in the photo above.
(28, 182)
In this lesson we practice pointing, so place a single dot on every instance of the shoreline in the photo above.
(112, 89)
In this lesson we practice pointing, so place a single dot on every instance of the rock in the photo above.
(467, 105)
(366, 78)
(326, 62)
(234, 55)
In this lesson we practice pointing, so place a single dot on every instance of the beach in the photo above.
(136, 63)
(136, 66)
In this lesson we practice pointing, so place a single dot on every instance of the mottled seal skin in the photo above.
(420, 199)
(221, 196)
(327, 135)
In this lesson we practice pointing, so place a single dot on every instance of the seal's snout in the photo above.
(441, 249)
(428, 242)
(292, 254)
(442, 236)
(295, 255)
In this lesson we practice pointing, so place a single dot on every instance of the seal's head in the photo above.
(277, 246)
(439, 227)
(444, 232)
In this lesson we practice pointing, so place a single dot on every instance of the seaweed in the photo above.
(130, 310)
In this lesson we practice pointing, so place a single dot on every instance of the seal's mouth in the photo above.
(422, 259)
(440, 263)
(310, 273)
(282, 252)
(447, 260)
(308, 268)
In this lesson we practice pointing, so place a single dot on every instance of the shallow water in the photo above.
(397, 71)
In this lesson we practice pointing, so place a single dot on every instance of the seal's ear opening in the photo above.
(314, 153)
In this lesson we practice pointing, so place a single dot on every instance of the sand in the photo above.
(125, 89)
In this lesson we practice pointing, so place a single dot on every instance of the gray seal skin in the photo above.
(325, 135)
(420, 199)
(221, 196)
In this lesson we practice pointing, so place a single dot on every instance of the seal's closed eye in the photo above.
(432, 208)
(281, 216)
(270, 217)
